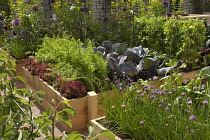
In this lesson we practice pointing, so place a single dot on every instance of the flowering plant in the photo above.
(171, 111)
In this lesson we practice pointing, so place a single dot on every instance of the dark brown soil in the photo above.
(114, 129)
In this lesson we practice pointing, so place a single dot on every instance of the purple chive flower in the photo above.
(145, 89)
(153, 92)
(34, 8)
(116, 82)
(142, 94)
(84, 9)
(16, 22)
(188, 98)
(179, 97)
(146, 9)
(162, 92)
(147, 4)
(189, 102)
(187, 111)
(205, 102)
(187, 127)
(161, 102)
(107, 79)
(183, 94)
(169, 105)
(123, 106)
(146, 86)
(152, 87)
(194, 88)
(141, 122)
(165, 3)
(167, 108)
(155, 78)
(124, 9)
(160, 106)
(139, 99)
(151, 96)
(103, 8)
(192, 131)
(192, 117)
(139, 91)
(120, 88)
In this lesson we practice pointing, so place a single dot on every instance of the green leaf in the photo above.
(41, 92)
(4, 120)
(70, 111)
(63, 116)
(47, 112)
(20, 135)
(74, 136)
(21, 79)
(108, 134)
(11, 63)
(66, 102)
(3, 75)
(10, 131)
(39, 97)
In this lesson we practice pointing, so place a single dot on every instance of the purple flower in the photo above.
(139, 99)
(194, 88)
(167, 108)
(145, 89)
(84, 9)
(124, 9)
(145, 8)
(103, 8)
(161, 102)
(165, 3)
(183, 94)
(187, 127)
(179, 97)
(123, 106)
(34, 8)
(169, 105)
(189, 102)
(192, 117)
(151, 96)
(187, 111)
(107, 79)
(162, 92)
(16, 22)
(141, 122)
(146, 86)
(192, 131)
(116, 82)
(142, 94)
(205, 102)
(139, 91)
(188, 98)
(152, 87)
(155, 78)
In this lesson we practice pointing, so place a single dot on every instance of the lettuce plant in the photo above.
(69, 89)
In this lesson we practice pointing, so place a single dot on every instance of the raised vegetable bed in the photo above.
(85, 108)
